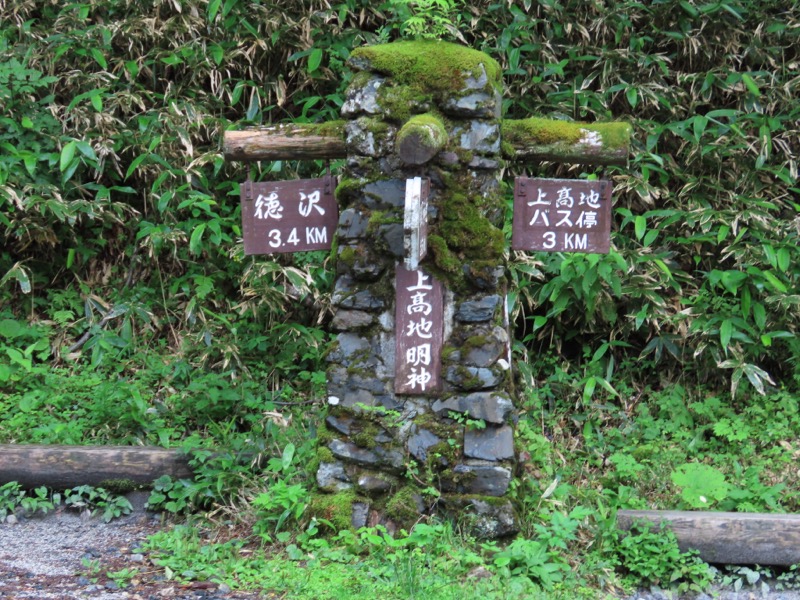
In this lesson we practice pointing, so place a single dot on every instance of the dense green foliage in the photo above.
(663, 374)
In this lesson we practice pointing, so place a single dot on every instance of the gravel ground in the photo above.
(42, 558)
(716, 594)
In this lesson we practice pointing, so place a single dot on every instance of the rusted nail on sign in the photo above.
(288, 216)
(419, 330)
(415, 221)
(561, 215)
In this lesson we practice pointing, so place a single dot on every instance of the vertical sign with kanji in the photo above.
(419, 331)
(561, 215)
(288, 216)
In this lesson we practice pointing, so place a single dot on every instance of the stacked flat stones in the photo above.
(400, 457)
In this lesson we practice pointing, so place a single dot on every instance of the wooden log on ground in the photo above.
(524, 140)
(62, 467)
(727, 538)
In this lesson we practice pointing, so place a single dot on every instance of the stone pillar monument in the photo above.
(439, 439)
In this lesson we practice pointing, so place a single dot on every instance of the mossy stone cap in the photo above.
(428, 64)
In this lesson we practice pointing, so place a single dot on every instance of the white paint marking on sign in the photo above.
(414, 223)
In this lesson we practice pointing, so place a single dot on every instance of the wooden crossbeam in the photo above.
(524, 140)
(725, 537)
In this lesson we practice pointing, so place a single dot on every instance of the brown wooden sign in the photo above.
(561, 215)
(419, 331)
(288, 216)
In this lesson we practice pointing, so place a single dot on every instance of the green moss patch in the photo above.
(429, 64)
(539, 131)
(336, 508)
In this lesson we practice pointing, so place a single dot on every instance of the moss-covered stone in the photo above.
(366, 437)
(336, 508)
(400, 102)
(429, 65)
(404, 507)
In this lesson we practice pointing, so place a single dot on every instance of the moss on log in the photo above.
(524, 140)
(420, 139)
(566, 141)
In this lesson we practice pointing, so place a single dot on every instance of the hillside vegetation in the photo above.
(665, 374)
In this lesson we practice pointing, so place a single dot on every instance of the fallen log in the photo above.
(727, 538)
(61, 467)
(524, 140)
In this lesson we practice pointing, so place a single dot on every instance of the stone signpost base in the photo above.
(429, 110)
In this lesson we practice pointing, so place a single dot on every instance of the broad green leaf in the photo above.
(217, 53)
(27, 123)
(725, 332)
(196, 240)
(213, 9)
(10, 328)
(751, 85)
(639, 226)
(67, 154)
(776, 283)
(100, 58)
(633, 96)
(288, 456)
(314, 60)
(701, 484)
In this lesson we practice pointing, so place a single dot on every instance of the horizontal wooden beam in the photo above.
(62, 467)
(286, 142)
(727, 538)
(524, 140)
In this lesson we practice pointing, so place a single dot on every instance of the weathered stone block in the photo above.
(378, 456)
(494, 346)
(478, 310)
(491, 443)
(352, 224)
(385, 193)
(473, 378)
(392, 236)
(419, 441)
(363, 99)
(373, 483)
(331, 477)
(360, 515)
(346, 320)
(369, 137)
(490, 480)
(484, 277)
(479, 136)
(492, 407)
(347, 295)
(486, 518)
(343, 425)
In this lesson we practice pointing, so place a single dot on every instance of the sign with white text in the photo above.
(561, 215)
(419, 332)
(288, 216)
